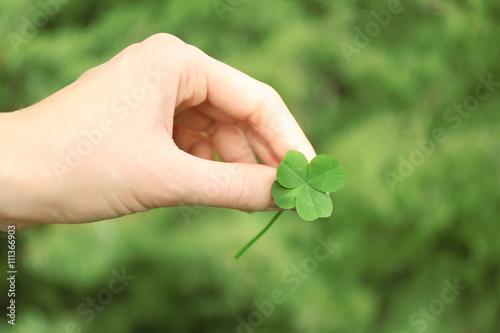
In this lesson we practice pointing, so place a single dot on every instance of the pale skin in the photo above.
(162, 108)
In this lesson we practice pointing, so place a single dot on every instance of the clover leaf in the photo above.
(292, 171)
(305, 187)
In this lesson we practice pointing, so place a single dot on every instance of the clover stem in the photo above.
(246, 247)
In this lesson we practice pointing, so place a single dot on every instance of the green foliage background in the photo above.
(395, 248)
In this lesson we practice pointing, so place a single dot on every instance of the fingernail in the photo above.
(273, 205)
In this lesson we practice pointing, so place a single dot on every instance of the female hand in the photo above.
(140, 132)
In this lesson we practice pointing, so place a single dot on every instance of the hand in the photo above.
(139, 132)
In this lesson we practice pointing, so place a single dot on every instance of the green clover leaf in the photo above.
(305, 187)
(292, 171)
(311, 204)
(325, 174)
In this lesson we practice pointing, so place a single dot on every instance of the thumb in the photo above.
(232, 185)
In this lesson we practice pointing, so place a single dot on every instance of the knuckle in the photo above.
(161, 46)
(131, 48)
(268, 98)
(269, 92)
(161, 40)
(192, 52)
(245, 194)
(128, 55)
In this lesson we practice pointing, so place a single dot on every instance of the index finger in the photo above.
(247, 99)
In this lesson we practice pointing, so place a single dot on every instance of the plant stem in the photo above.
(246, 247)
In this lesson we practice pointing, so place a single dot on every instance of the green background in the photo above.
(397, 243)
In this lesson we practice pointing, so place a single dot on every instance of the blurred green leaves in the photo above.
(398, 246)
